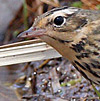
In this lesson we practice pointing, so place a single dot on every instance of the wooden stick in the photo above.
(26, 51)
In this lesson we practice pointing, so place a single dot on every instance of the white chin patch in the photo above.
(68, 11)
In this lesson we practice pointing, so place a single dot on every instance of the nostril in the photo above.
(26, 33)
(35, 28)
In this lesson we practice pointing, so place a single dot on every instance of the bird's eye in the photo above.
(59, 20)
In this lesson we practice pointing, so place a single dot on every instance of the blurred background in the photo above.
(48, 80)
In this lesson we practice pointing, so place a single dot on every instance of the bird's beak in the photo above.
(32, 32)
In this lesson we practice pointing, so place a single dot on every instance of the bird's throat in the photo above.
(61, 46)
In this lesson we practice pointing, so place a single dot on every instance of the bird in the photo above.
(75, 34)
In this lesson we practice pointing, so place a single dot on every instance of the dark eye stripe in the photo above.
(56, 9)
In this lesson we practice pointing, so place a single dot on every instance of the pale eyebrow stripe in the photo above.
(67, 11)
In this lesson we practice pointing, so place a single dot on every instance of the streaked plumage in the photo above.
(77, 38)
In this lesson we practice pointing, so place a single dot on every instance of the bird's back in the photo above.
(88, 59)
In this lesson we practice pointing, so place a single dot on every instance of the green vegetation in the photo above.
(98, 7)
(77, 4)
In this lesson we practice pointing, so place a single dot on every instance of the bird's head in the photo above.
(58, 27)
(60, 24)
